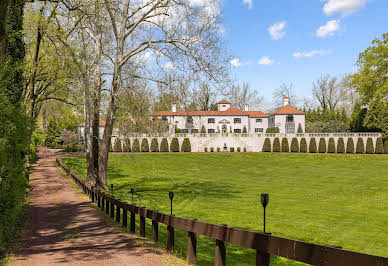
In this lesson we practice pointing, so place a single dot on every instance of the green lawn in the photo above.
(326, 199)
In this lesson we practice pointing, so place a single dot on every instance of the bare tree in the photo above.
(239, 95)
(284, 90)
(328, 91)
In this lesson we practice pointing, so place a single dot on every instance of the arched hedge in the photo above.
(186, 145)
(294, 145)
(267, 145)
(276, 145)
(154, 145)
(127, 145)
(285, 147)
(379, 146)
(322, 145)
(313, 146)
(174, 146)
(303, 145)
(331, 146)
(117, 145)
(144, 145)
(341, 146)
(164, 145)
(369, 146)
(350, 146)
(360, 146)
(136, 145)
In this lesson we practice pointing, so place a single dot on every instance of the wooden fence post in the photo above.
(92, 196)
(155, 227)
(220, 251)
(102, 203)
(170, 238)
(191, 248)
(133, 217)
(142, 223)
(262, 258)
(112, 210)
(98, 201)
(107, 207)
(125, 217)
(117, 213)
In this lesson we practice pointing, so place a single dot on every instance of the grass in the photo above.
(327, 199)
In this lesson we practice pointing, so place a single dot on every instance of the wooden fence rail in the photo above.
(264, 244)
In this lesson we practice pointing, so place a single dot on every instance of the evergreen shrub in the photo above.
(117, 145)
(350, 146)
(360, 146)
(322, 145)
(313, 146)
(294, 145)
(154, 145)
(127, 145)
(285, 147)
(369, 146)
(164, 145)
(340, 146)
(331, 146)
(174, 147)
(303, 145)
(276, 145)
(379, 146)
(267, 145)
(144, 145)
(136, 145)
(186, 145)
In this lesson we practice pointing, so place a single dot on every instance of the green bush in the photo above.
(117, 145)
(205, 149)
(74, 148)
(178, 130)
(276, 145)
(203, 129)
(136, 145)
(340, 146)
(300, 130)
(303, 145)
(154, 145)
(127, 145)
(313, 146)
(369, 146)
(294, 145)
(218, 149)
(186, 145)
(360, 146)
(211, 149)
(285, 147)
(386, 146)
(238, 149)
(174, 146)
(245, 149)
(244, 129)
(379, 146)
(331, 146)
(350, 146)
(322, 145)
(267, 145)
(231, 149)
(164, 145)
(272, 130)
(144, 145)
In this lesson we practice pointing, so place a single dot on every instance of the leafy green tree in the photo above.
(341, 146)
(300, 129)
(267, 145)
(360, 146)
(154, 145)
(369, 146)
(117, 145)
(379, 145)
(276, 145)
(186, 146)
(285, 147)
(303, 145)
(144, 145)
(331, 146)
(203, 129)
(294, 145)
(174, 146)
(322, 145)
(164, 145)
(350, 146)
(136, 145)
(313, 146)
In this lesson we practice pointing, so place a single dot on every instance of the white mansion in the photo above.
(230, 119)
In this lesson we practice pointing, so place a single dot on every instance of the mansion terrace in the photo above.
(233, 120)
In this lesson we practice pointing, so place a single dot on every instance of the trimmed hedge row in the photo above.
(125, 145)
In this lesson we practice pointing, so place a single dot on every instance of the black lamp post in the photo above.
(111, 187)
(132, 192)
(171, 195)
(264, 202)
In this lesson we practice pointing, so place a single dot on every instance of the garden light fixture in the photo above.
(171, 195)
(132, 192)
(264, 202)
(111, 187)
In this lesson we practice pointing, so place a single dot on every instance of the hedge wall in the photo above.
(322, 145)
(127, 145)
(303, 145)
(186, 145)
(136, 145)
(164, 145)
(272, 130)
(154, 145)
(331, 146)
(285, 147)
(231, 149)
(117, 145)
(386, 146)
(174, 146)
(276, 145)
(144, 145)
(379, 146)
(267, 145)
(294, 145)
(313, 146)
(350, 146)
(341, 146)
(360, 146)
(369, 146)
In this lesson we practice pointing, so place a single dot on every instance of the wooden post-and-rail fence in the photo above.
(264, 244)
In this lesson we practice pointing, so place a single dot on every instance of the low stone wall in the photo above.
(250, 142)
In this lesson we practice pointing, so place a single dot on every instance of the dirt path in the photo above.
(63, 228)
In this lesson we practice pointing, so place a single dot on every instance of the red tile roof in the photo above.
(102, 123)
(229, 112)
(288, 110)
(224, 102)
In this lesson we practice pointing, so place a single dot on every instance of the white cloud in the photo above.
(249, 3)
(328, 29)
(168, 65)
(277, 30)
(265, 60)
(311, 53)
(344, 7)
(237, 63)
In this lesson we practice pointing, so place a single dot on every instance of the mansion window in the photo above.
(189, 119)
(194, 130)
(237, 120)
(210, 130)
(290, 118)
(185, 131)
(259, 130)
(237, 130)
(259, 120)
(211, 121)
(164, 118)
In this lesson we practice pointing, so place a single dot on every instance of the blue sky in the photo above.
(297, 51)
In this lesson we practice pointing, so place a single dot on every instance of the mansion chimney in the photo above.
(286, 101)
(246, 107)
(173, 107)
